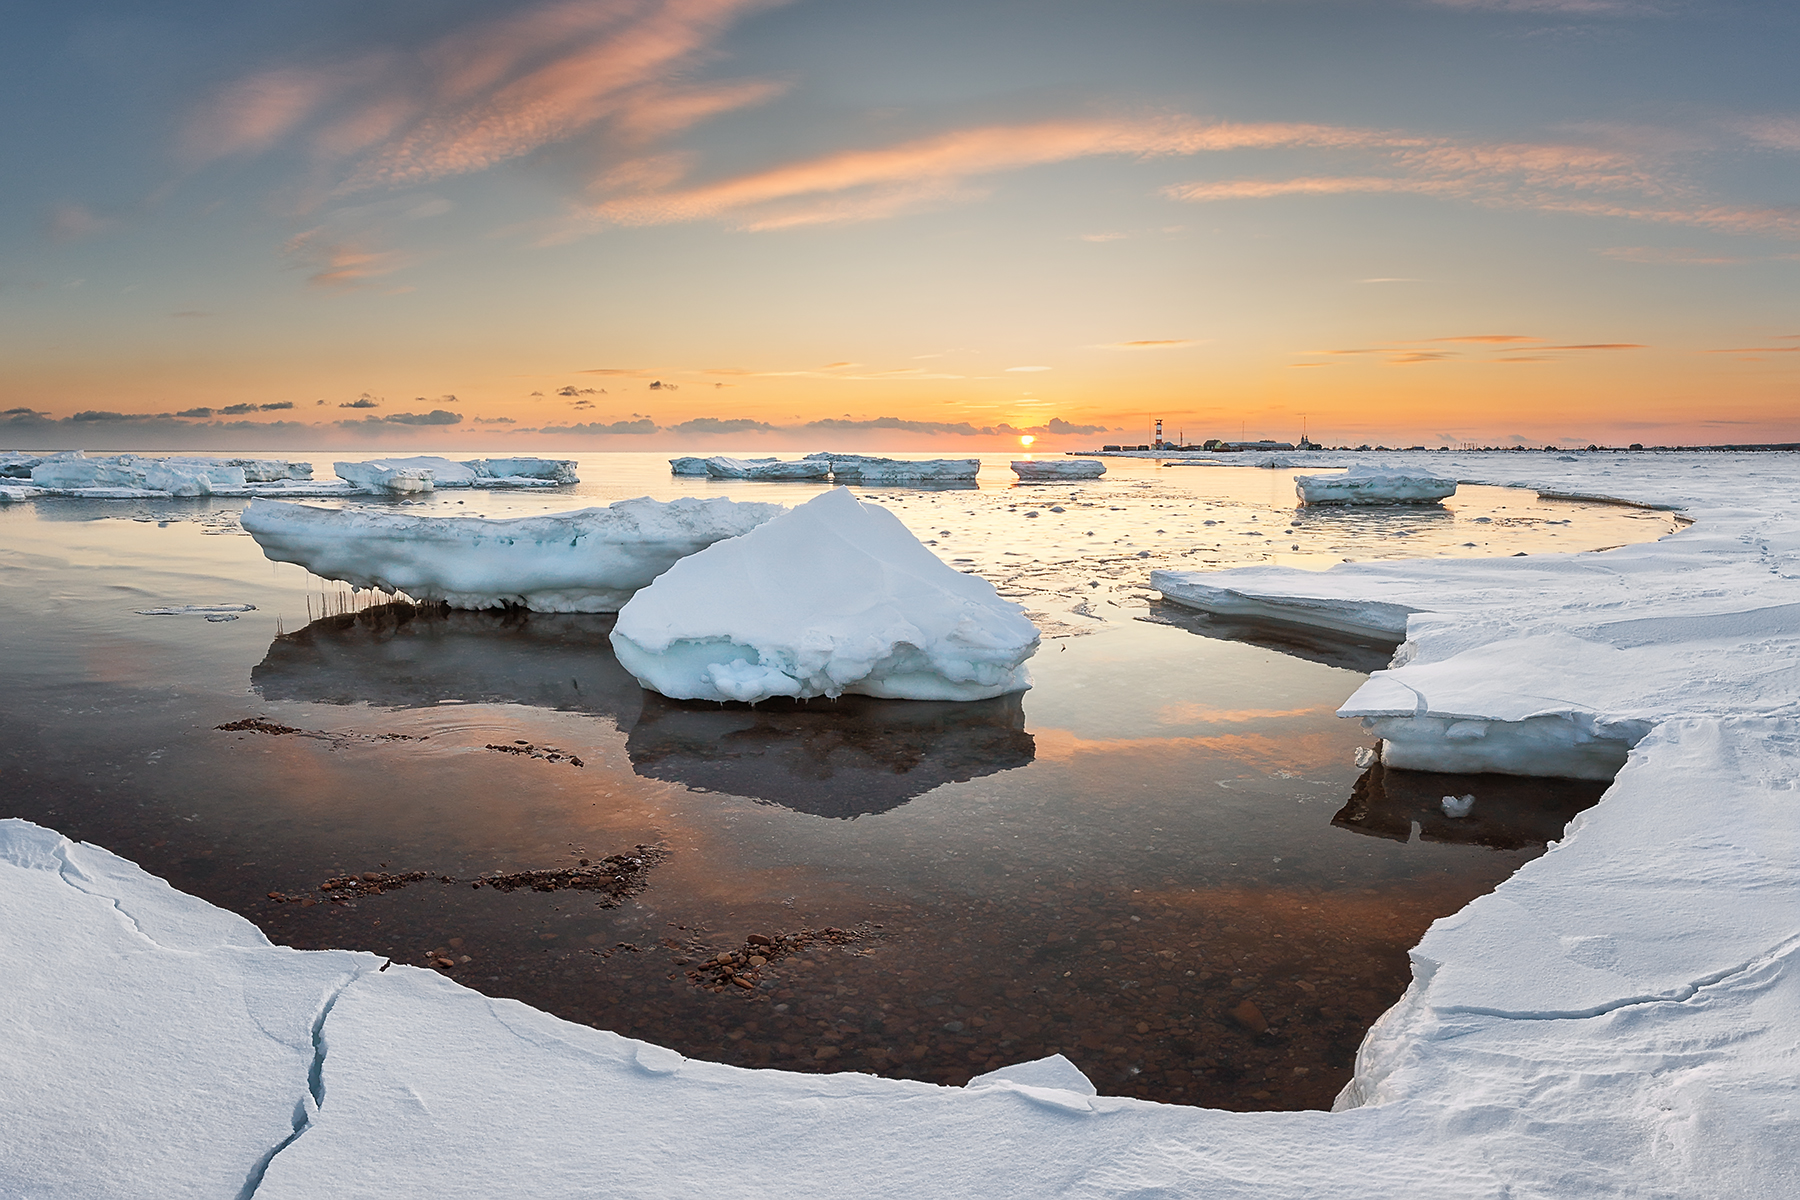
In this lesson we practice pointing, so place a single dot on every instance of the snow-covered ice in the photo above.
(869, 469)
(835, 596)
(591, 560)
(425, 473)
(1558, 664)
(1373, 485)
(765, 468)
(164, 476)
(687, 466)
(1050, 470)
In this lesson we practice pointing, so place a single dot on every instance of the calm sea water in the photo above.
(1160, 861)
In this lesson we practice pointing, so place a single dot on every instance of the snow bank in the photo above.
(586, 561)
(866, 469)
(765, 468)
(1055, 469)
(1373, 485)
(836, 596)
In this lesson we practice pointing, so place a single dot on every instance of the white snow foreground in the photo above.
(1373, 485)
(1617, 1020)
(1053, 469)
(425, 473)
(591, 560)
(835, 596)
(1558, 664)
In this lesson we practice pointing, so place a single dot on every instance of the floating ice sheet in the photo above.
(591, 560)
(1374, 485)
(1049, 470)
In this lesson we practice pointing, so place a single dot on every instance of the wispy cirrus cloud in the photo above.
(865, 184)
(486, 94)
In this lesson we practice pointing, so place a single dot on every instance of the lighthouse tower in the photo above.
(1159, 441)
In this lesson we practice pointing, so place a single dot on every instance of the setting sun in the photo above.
(1027, 440)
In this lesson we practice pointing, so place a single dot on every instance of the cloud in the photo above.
(1056, 425)
(1496, 339)
(437, 416)
(1150, 344)
(660, 386)
(639, 426)
(1010, 369)
(74, 222)
(363, 401)
(1670, 256)
(488, 93)
(572, 390)
(341, 262)
(195, 412)
(495, 421)
(722, 425)
(630, 372)
(860, 185)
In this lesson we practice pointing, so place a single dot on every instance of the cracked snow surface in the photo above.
(1620, 1018)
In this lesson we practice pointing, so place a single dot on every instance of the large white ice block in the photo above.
(1373, 485)
(836, 596)
(1051, 470)
(553, 470)
(687, 466)
(586, 561)
(399, 476)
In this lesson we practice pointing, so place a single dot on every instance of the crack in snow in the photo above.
(1680, 995)
(313, 1101)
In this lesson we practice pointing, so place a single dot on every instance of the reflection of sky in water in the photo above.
(1165, 826)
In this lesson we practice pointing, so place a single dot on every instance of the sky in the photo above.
(843, 224)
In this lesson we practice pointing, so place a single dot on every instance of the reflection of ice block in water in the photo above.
(831, 758)
(834, 597)
(1054, 469)
(415, 656)
(586, 561)
(1510, 812)
(1373, 485)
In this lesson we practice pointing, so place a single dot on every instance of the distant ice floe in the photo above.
(844, 468)
(834, 597)
(591, 560)
(212, 612)
(1051, 470)
(765, 468)
(425, 473)
(147, 477)
(1373, 485)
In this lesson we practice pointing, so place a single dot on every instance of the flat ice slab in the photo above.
(836, 596)
(1373, 485)
(591, 560)
(866, 469)
(1050, 470)
(425, 473)
(765, 468)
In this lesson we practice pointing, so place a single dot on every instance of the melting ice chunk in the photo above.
(1059, 468)
(836, 596)
(1457, 806)
(1373, 485)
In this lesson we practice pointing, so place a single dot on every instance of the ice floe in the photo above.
(869, 469)
(1050, 470)
(425, 473)
(834, 597)
(1373, 485)
(765, 468)
(591, 560)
